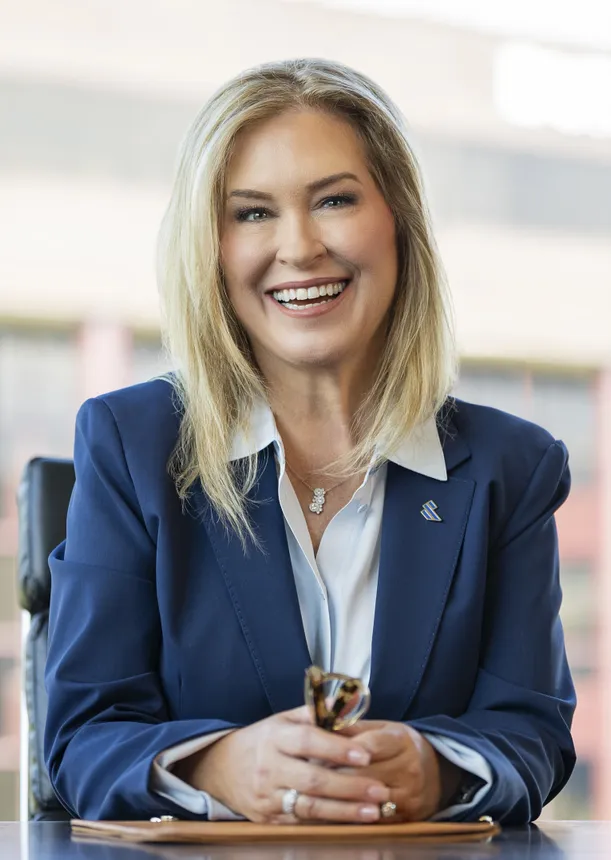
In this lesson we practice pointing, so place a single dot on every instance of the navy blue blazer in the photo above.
(162, 630)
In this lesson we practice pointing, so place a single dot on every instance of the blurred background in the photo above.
(509, 107)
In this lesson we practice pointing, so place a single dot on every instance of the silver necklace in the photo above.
(318, 498)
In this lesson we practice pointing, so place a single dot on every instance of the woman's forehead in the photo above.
(301, 145)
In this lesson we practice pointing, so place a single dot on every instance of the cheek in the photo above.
(377, 247)
(241, 258)
(368, 241)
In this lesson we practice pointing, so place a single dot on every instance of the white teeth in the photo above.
(301, 307)
(301, 293)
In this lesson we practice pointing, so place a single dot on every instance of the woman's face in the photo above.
(308, 243)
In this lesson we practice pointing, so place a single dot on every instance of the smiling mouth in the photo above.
(309, 297)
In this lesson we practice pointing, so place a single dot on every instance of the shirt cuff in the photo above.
(467, 759)
(168, 785)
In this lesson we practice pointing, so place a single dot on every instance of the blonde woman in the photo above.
(302, 490)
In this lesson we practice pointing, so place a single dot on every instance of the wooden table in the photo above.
(565, 839)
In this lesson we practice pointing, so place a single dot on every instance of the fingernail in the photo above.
(379, 793)
(358, 757)
(369, 813)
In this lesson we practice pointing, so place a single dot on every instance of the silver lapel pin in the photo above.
(429, 512)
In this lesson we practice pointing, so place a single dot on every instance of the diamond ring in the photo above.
(289, 801)
(388, 809)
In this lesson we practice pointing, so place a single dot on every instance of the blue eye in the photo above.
(251, 213)
(338, 200)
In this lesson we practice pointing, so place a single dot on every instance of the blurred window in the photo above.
(148, 359)
(579, 615)
(39, 397)
(8, 589)
(473, 183)
(7, 677)
(544, 87)
(564, 404)
(575, 801)
(9, 794)
(502, 389)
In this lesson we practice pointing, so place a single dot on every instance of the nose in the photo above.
(299, 242)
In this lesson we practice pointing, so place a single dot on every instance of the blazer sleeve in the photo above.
(520, 713)
(107, 715)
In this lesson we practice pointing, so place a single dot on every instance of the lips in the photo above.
(312, 307)
(303, 296)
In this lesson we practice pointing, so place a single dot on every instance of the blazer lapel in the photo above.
(262, 589)
(417, 562)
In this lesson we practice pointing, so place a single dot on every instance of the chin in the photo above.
(318, 355)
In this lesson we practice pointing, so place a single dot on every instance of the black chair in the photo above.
(42, 498)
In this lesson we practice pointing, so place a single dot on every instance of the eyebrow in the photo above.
(317, 185)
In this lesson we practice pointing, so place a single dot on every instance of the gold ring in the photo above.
(388, 809)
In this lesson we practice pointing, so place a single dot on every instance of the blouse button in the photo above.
(362, 509)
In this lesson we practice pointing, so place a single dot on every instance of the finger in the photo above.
(364, 726)
(310, 808)
(319, 781)
(383, 744)
(409, 804)
(406, 785)
(310, 742)
(303, 714)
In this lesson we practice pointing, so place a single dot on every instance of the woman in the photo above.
(325, 503)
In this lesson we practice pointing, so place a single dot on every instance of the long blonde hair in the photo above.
(216, 379)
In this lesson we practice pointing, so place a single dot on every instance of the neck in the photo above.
(314, 410)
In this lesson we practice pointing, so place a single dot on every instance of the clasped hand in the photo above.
(340, 777)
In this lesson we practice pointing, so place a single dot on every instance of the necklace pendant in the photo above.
(318, 501)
